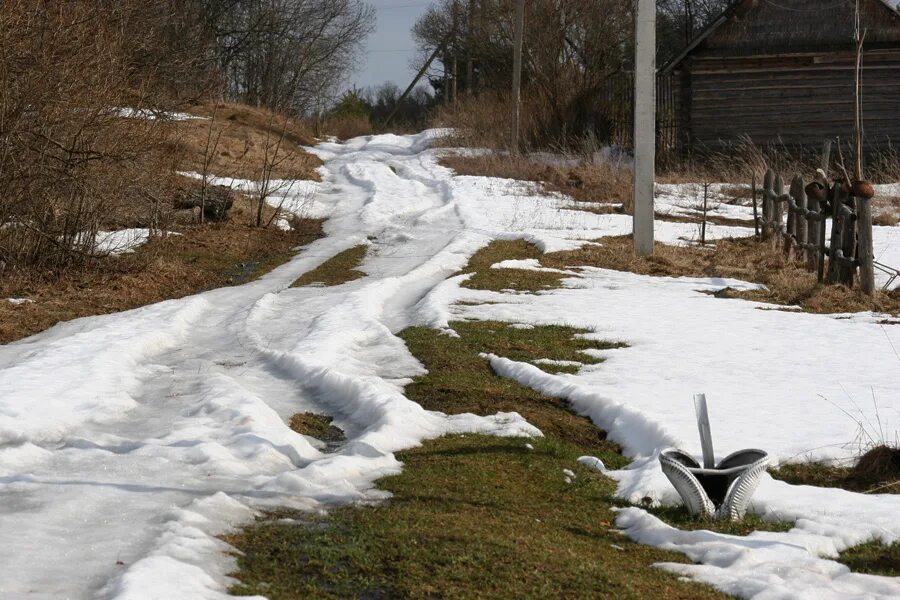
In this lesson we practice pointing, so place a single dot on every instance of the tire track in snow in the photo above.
(179, 431)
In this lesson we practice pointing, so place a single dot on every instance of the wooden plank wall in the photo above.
(795, 101)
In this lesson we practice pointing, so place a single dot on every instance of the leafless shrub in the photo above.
(285, 54)
(878, 464)
(884, 166)
(78, 150)
(345, 127)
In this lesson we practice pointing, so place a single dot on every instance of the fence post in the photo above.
(802, 225)
(777, 211)
(813, 193)
(820, 235)
(826, 157)
(793, 219)
(755, 212)
(865, 253)
(837, 224)
(848, 243)
(768, 191)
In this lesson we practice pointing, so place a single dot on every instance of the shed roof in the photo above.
(748, 27)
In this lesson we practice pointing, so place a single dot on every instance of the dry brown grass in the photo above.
(345, 127)
(600, 183)
(203, 257)
(879, 464)
(481, 122)
(886, 210)
(317, 426)
(714, 219)
(237, 144)
(876, 472)
(746, 259)
(737, 192)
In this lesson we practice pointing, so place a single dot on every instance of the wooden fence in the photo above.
(616, 111)
(803, 235)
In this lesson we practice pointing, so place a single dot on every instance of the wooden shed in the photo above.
(782, 72)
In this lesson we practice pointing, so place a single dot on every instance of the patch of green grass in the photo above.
(461, 381)
(317, 426)
(521, 280)
(678, 516)
(559, 369)
(874, 558)
(822, 475)
(340, 268)
(470, 517)
(475, 516)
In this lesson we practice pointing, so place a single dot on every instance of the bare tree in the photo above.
(282, 53)
(570, 48)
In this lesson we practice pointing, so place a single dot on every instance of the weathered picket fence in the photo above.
(802, 235)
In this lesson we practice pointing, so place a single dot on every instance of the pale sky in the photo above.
(389, 49)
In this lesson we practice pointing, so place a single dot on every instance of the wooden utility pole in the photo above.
(644, 125)
(519, 26)
(455, 79)
(470, 42)
(416, 79)
(862, 190)
(446, 90)
(455, 51)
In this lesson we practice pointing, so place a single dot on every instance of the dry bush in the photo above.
(746, 259)
(886, 219)
(231, 141)
(70, 163)
(345, 127)
(604, 182)
(884, 167)
(481, 122)
(735, 162)
(879, 464)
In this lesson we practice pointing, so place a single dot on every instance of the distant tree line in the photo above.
(571, 49)
(565, 40)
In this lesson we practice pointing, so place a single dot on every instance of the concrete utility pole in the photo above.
(517, 75)
(644, 125)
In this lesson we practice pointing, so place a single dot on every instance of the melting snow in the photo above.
(129, 441)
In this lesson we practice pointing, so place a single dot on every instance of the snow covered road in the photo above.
(128, 441)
